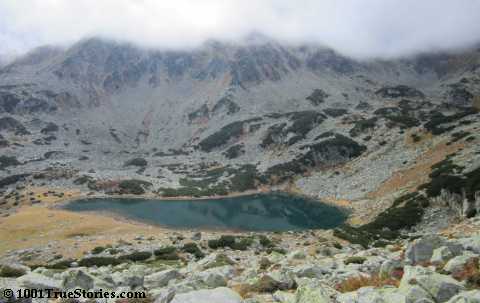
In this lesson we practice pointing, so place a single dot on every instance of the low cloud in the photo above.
(357, 28)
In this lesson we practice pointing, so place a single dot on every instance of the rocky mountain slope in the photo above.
(224, 118)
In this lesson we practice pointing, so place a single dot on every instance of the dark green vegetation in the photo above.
(6, 161)
(399, 91)
(317, 97)
(269, 212)
(398, 116)
(12, 125)
(137, 256)
(226, 104)
(408, 209)
(334, 150)
(301, 123)
(166, 253)
(136, 162)
(335, 112)
(451, 177)
(436, 124)
(10, 272)
(239, 179)
(99, 261)
(234, 151)
(362, 126)
(134, 187)
(192, 248)
(12, 179)
(235, 243)
(50, 127)
(406, 212)
(202, 112)
(226, 134)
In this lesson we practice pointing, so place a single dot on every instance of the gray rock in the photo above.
(163, 295)
(310, 294)
(440, 287)
(388, 267)
(160, 279)
(441, 255)
(458, 263)
(38, 281)
(309, 271)
(421, 250)
(211, 279)
(127, 278)
(77, 278)
(217, 295)
(471, 243)
(466, 297)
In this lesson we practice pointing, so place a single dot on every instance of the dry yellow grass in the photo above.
(416, 175)
(38, 225)
(357, 282)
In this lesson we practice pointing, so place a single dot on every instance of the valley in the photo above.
(392, 143)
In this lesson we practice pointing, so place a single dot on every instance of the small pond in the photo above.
(261, 212)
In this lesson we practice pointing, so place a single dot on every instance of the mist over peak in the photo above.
(365, 29)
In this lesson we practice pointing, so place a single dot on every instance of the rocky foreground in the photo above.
(303, 267)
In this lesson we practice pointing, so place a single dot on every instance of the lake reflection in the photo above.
(265, 212)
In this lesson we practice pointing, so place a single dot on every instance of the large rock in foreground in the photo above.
(217, 295)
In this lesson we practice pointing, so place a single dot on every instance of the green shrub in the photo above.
(355, 260)
(10, 272)
(137, 256)
(6, 161)
(223, 136)
(236, 243)
(166, 253)
(98, 250)
(61, 265)
(220, 260)
(362, 126)
(99, 261)
(193, 249)
(135, 187)
(141, 162)
(317, 97)
(265, 241)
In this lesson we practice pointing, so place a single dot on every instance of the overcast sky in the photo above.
(359, 28)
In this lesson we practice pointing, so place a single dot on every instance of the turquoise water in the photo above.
(263, 212)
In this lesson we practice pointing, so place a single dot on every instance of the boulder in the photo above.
(439, 287)
(458, 263)
(441, 255)
(310, 294)
(217, 295)
(77, 278)
(370, 294)
(421, 250)
(471, 243)
(127, 278)
(390, 268)
(163, 295)
(38, 281)
(466, 297)
(309, 271)
(160, 279)
(211, 278)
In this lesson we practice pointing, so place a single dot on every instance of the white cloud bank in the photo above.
(359, 28)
